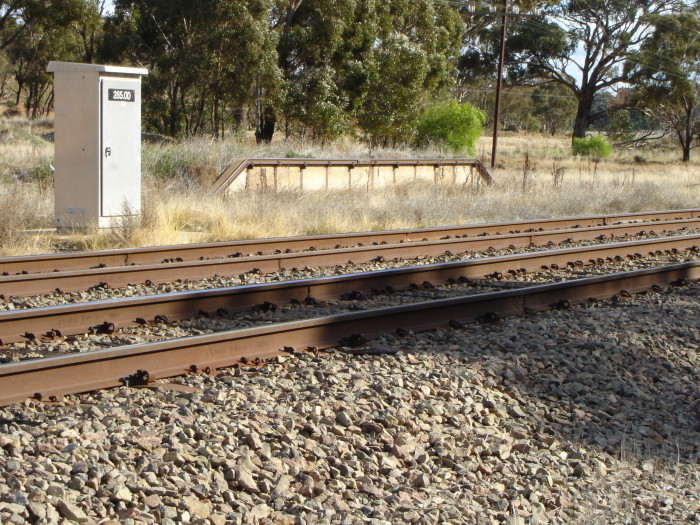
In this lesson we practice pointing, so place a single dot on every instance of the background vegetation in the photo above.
(538, 177)
(596, 147)
(319, 70)
(457, 126)
(347, 78)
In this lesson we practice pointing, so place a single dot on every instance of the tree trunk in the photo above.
(28, 101)
(583, 113)
(222, 119)
(266, 125)
(265, 116)
(688, 142)
(197, 122)
(216, 114)
(238, 115)
(173, 110)
(18, 98)
(685, 139)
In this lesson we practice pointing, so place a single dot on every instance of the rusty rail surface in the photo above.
(192, 252)
(140, 364)
(116, 277)
(109, 315)
(232, 172)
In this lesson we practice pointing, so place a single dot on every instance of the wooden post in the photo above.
(499, 84)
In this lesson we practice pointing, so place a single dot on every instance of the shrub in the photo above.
(295, 155)
(457, 126)
(168, 162)
(591, 147)
(42, 174)
(620, 127)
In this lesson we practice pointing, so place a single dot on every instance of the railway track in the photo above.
(194, 252)
(27, 283)
(107, 316)
(51, 377)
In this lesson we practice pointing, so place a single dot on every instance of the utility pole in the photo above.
(499, 84)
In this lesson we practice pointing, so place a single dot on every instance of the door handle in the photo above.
(108, 152)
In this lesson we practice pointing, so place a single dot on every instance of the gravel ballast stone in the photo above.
(585, 415)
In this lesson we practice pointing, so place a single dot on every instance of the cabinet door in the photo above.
(120, 173)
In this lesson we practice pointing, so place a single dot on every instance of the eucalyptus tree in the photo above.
(581, 45)
(410, 61)
(88, 25)
(241, 58)
(164, 36)
(40, 34)
(315, 105)
(205, 58)
(584, 46)
(666, 71)
(391, 109)
(554, 106)
(17, 16)
(314, 36)
(369, 63)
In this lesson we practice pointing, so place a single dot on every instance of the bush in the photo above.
(620, 127)
(167, 163)
(295, 155)
(42, 175)
(591, 147)
(457, 126)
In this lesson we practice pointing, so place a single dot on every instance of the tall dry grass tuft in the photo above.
(25, 154)
(187, 212)
(24, 208)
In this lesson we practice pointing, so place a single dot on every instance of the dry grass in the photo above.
(186, 212)
(554, 184)
(537, 177)
(22, 148)
(25, 209)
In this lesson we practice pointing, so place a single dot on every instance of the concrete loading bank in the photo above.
(323, 174)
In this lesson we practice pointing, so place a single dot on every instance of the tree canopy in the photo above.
(582, 45)
(319, 69)
(666, 70)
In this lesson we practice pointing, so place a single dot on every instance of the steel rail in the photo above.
(116, 277)
(55, 376)
(192, 252)
(109, 315)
